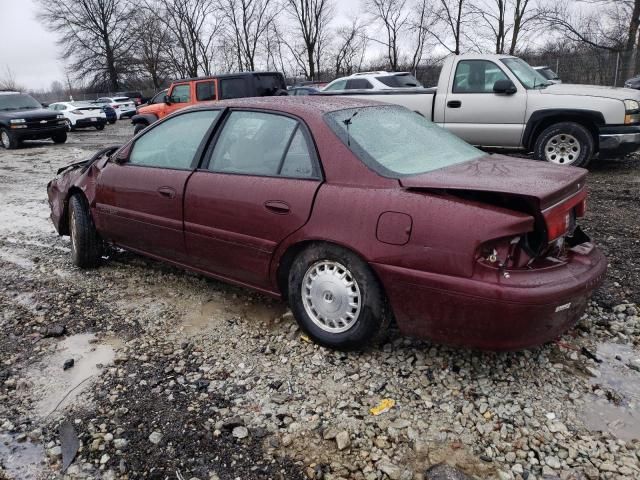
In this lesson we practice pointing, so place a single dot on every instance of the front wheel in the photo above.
(565, 143)
(100, 127)
(335, 298)
(59, 137)
(86, 245)
(8, 139)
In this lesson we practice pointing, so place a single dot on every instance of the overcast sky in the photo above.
(27, 49)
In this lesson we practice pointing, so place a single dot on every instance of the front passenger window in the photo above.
(174, 142)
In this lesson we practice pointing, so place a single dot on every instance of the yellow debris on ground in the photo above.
(385, 405)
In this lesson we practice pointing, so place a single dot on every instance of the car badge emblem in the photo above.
(43, 121)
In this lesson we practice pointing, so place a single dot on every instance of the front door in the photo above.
(256, 187)
(139, 202)
(478, 115)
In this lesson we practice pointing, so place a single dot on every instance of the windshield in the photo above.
(528, 77)
(396, 142)
(18, 101)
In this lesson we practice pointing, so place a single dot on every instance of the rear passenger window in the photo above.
(265, 144)
(358, 84)
(232, 88)
(205, 91)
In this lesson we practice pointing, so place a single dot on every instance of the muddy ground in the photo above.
(177, 377)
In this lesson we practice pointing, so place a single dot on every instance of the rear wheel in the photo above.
(335, 298)
(112, 121)
(8, 139)
(139, 127)
(565, 143)
(86, 245)
(59, 137)
(100, 127)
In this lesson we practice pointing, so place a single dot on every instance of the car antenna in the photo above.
(347, 122)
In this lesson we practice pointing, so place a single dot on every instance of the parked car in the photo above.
(547, 73)
(23, 118)
(190, 91)
(374, 81)
(137, 97)
(352, 210)
(633, 83)
(81, 114)
(298, 91)
(124, 107)
(500, 101)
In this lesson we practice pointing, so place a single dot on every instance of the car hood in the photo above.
(35, 114)
(591, 91)
(546, 183)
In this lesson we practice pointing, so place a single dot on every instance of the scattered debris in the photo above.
(69, 443)
(384, 406)
(68, 364)
(54, 331)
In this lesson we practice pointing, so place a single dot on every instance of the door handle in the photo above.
(454, 104)
(167, 192)
(276, 206)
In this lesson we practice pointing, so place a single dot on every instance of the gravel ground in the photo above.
(179, 377)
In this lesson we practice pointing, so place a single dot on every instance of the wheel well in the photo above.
(287, 259)
(546, 122)
(64, 219)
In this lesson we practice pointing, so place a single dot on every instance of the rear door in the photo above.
(256, 187)
(478, 115)
(139, 202)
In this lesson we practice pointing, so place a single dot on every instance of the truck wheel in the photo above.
(139, 127)
(59, 137)
(86, 245)
(565, 143)
(335, 298)
(8, 139)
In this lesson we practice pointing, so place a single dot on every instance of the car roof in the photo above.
(483, 56)
(10, 93)
(303, 106)
(225, 75)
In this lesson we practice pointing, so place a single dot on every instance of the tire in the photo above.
(86, 245)
(8, 139)
(565, 143)
(139, 127)
(351, 327)
(100, 127)
(59, 137)
(111, 122)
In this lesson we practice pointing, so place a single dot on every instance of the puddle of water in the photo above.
(620, 418)
(54, 387)
(205, 315)
(21, 460)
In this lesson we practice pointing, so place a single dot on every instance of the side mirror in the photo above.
(122, 155)
(167, 99)
(504, 86)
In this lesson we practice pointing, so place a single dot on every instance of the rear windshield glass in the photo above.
(396, 142)
(19, 101)
(400, 81)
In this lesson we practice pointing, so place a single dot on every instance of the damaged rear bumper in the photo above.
(527, 309)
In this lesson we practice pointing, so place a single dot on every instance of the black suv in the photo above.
(23, 118)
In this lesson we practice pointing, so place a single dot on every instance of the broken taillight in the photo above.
(560, 219)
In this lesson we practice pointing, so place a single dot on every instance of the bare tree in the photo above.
(151, 48)
(8, 81)
(422, 20)
(95, 34)
(312, 22)
(350, 46)
(453, 15)
(249, 22)
(393, 16)
(504, 22)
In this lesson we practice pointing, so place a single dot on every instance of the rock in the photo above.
(104, 459)
(54, 331)
(608, 467)
(343, 440)
(55, 452)
(120, 443)
(517, 469)
(393, 471)
(553, 462)
(155, 437)
(240, 432)
(443, 471)
(68, 364)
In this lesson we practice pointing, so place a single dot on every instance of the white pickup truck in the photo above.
(499, 101)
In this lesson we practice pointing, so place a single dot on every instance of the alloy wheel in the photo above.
(562, 149)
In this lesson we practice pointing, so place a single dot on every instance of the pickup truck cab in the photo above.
(499, 101)
(191, 91)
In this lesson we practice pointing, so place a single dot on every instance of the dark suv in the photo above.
(23, 118)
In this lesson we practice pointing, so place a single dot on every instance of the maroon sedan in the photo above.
(355, 211)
